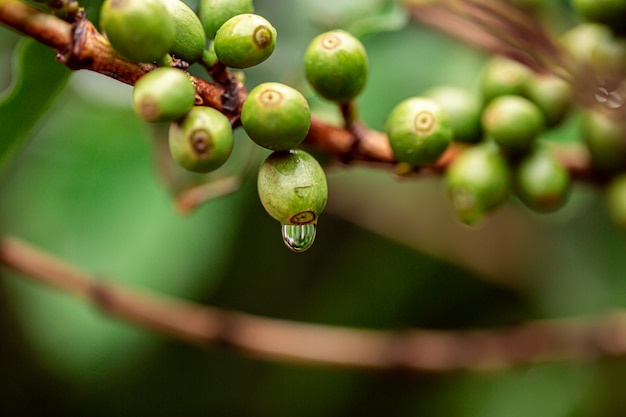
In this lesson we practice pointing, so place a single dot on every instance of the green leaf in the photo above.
(86, 191)
(38, 79)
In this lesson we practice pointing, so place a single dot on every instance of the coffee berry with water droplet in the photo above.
(163, 95)
(541, 182)
(214, 13)
(189, 38)
(336, 65)
(276, 116)
(139, 30)
(244, 41)
(202, 141)
(292, 187)
(419, 131)
(478, 181)
(513, 122)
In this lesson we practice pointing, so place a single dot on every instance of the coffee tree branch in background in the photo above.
(413, 350)
(81, 46)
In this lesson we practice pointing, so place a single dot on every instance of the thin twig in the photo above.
(414, 350)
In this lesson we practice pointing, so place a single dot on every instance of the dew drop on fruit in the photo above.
(299, 237)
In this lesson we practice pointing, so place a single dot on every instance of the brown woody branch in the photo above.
(81, 46)
(416, 350)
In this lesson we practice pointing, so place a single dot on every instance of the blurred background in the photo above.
(87, 184)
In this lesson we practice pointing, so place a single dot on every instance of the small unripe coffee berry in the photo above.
(609, 12)
(503, 76)
(292, 187)
(164, 94)
(553, 95)
(245, 40)
(214, 13)
(276, 116)
(336, 65)
(541, 182)
(605, 137)
(478, 181)
(139, 30)
(616, 200)
(202, 141)
(513, 122)
(581, 40)
(462, 108)
(189, 40)
(419, 131)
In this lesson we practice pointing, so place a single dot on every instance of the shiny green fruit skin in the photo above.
(609, 12)
(513, 122)
(138, 30)
(292, 187)
(462, 108)
(553, 95)
(541, 182)
(581, 40)
(163, 95)
(189, 39)
(616, 200)
(202, 141)
(478, 181)
(245, 40)
(503, 76)
(605, 138)
(214, 13)
(336, 65)
(419, 131)
(276, 116)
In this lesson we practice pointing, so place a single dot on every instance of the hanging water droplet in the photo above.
(299, 237)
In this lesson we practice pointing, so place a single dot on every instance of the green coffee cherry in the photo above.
(419, 131)
(478, 181)
(616, 200)
(463, 109)
(513, 122)
(553, 95)
(245, 40)
(214, 13)
(582, 40)
(336, 65)
(202, 141)
(139, 30)
(276, 116)
(189, 39)
(605, 137)
(541, 182)
(503, 76)
(163, 95)
(292, 187)
(609, 12)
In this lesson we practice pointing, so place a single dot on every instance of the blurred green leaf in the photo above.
(37, 80)
(86, 191)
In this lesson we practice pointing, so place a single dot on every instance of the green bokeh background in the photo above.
(83, 182)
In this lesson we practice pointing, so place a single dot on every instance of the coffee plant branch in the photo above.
(413, 350)
(80, 46)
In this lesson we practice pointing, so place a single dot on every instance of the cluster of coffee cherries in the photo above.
(501, 127)
(504, 125)
(291, 183)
